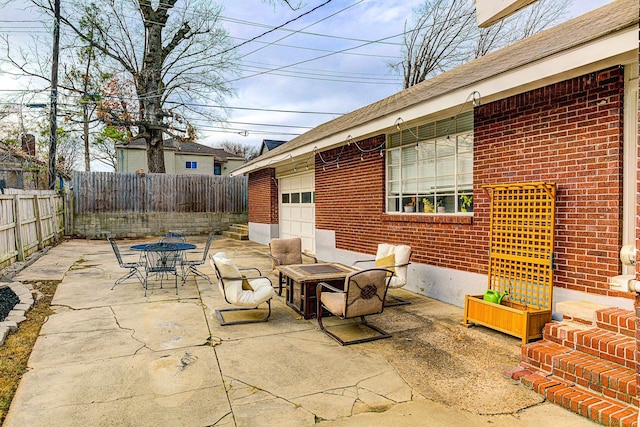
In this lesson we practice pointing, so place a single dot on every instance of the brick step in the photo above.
(608, 378)
(588, 403)
(617, 320)
(605, 344)
(236, 236)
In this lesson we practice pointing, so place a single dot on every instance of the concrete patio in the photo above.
(113, 357)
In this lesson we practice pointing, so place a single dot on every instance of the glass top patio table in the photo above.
(163, 246)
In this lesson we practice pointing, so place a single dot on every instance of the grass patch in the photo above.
(16, 350)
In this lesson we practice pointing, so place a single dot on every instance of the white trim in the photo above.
(488, 12)
(630, 159)
(613, 49)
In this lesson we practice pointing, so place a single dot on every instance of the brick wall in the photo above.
(263, 197)
(569, 133)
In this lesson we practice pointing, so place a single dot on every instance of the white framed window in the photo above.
(430, 167)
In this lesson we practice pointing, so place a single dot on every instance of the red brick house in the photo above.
(550, 108)
(560, 107)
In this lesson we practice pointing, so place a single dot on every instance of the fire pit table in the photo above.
(301, 281)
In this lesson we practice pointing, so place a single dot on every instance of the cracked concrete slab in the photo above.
(312, 365)
(164, 325)
(54, 265)
(82, 347)
(113, 357)
(173, 387)
(84, 290)
(96, 319)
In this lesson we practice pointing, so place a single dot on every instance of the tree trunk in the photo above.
(150, 89)
(155, 152)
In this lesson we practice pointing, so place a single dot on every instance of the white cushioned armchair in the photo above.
(395, 258)
(246, 292)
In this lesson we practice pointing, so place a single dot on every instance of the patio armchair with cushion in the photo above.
(395, 258)
(245, 292)
(363, 295)
(287, 252)
(134, 267)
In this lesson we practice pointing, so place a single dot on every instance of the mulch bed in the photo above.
(8, 300)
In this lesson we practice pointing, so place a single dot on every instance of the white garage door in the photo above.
(297, 209)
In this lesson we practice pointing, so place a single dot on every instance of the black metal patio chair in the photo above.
(191, 266)
(134, 267)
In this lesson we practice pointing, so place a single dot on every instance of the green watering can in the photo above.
(494, 296)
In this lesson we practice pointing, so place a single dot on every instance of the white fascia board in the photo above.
(604, 52)
(488, 12)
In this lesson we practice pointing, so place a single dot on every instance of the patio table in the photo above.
(150, 262)
(301, 281)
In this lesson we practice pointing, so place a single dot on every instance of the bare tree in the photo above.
(293, 5)
(537, 17)
(444, 34)
(433, 45)
(175, 52)
(249, 152)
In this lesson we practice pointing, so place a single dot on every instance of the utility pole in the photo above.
(53, 122)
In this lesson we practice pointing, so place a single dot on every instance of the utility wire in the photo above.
(272, 30)
(304, 28)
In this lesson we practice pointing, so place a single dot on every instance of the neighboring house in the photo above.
(560, 106)
(22, 170)
(179, 158)
(269, 144)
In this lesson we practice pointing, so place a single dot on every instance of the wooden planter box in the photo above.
(510, 318)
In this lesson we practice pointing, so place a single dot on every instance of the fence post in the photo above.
(67, 208)
(16, 214)
(39, 234)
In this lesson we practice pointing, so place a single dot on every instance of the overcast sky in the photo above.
(335, 83)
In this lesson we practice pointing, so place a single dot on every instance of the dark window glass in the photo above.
(295, 197)
(306, 197)
(285, 197)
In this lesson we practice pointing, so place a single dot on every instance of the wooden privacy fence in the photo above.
(96, 192)
(29, 221)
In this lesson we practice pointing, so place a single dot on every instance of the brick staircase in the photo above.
(586, 366)
(237, 231)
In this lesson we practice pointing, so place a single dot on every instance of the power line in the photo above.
(311, 49)
(311, 59)
(304, 28)
(273, 29)
(193, 104)
(270, 110)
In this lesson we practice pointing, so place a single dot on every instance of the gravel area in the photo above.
(8, 300)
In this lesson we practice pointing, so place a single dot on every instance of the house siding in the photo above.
(569, 133)
(263, 197)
